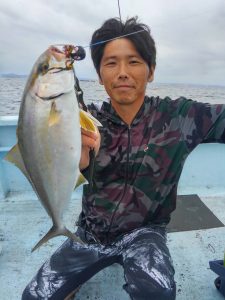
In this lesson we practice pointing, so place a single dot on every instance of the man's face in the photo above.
(124, 73)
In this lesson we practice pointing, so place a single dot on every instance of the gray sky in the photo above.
(189, 34)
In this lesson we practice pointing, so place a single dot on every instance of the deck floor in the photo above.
(23, 221)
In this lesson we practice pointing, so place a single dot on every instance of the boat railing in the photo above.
(201, 173)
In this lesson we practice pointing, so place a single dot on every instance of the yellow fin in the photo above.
(14, 156)
(88, 122)
(81, 180)
(85, 122)
(95, 121)
(54, 115)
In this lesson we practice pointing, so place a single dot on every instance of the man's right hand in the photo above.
(90, 140)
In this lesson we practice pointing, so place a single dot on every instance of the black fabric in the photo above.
(148, 269)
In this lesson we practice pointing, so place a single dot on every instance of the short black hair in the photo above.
(113, 28)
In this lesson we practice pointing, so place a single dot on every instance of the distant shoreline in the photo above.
(12, 75)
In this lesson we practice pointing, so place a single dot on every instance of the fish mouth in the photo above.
(58, 52)
(69, 51)
(58, 48)
(62, 54)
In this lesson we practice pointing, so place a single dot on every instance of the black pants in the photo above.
(148, 269)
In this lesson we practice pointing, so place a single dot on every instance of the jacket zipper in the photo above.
(125, 186)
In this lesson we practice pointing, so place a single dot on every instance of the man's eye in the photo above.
(110, 63)
(134, 62)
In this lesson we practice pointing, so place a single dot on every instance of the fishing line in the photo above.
(157, 26)
(121, 36)
(119, 10)
(118, 37)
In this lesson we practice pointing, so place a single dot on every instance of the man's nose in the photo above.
(122, 72)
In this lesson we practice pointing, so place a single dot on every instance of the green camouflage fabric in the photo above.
(138, 167)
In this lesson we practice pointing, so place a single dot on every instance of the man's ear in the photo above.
(100, 80)
(151, 74)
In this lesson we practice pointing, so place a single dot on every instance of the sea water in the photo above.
(11, 90)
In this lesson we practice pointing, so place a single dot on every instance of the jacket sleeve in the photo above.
(201, 122)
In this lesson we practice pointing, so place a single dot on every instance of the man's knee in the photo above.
(144, 283)
(151, 288)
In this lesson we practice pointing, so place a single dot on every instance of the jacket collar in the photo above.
(109, 112)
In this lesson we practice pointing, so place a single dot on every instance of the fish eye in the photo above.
(43, 68)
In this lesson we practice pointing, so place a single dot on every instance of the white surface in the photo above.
(23, 221)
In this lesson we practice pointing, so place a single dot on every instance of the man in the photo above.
(144, 143)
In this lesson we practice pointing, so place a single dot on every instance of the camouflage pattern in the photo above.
(138, 167)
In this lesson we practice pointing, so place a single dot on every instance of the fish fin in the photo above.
(54, 115)
(80, 180)
(96, 122)
(88, 122)
(85, 121)
(14, 156)
(55, 231)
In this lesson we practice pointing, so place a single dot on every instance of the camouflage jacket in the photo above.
(138, 167)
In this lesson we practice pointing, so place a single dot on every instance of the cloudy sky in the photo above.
(189, 34)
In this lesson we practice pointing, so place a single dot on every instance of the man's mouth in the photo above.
(124, 86)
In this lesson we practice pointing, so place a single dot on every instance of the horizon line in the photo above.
(14, 75)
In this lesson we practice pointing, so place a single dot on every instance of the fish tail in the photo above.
(72, 236)
(53, 232)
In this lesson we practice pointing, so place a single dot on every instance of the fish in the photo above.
(49, 137)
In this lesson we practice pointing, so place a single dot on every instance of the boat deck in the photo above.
(23, 221)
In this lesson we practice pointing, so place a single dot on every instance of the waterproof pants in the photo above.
(148, 269)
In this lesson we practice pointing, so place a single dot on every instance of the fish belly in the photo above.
(51, 153)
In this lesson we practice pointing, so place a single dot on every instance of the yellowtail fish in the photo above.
(49, 136)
